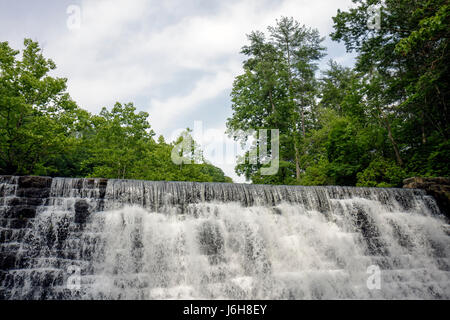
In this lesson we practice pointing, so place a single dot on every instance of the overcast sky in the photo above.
(175, 59)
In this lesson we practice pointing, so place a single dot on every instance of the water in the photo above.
(123, 239)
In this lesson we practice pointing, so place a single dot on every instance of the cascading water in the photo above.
(65, 238)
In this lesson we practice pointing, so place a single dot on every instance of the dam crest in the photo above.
(74, 238)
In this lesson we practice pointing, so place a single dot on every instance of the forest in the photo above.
(44, 132)
(374, 124)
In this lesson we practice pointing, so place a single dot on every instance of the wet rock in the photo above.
(211, 239)
(34, 182)
(81, 211)
(371, 235)
(21, 212)
(17, 223)
(438, 187)
(420, 182)
(23, 201)
(7, 261)
(33, 192)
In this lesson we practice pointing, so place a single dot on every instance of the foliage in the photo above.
(381, 173)
(277, 90)
(44, 132)
(371, 125)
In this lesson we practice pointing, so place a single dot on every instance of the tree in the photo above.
(35, 110)
(121, 137)
(301, 49)
(276, 90)
(408, 57)
(44, 132)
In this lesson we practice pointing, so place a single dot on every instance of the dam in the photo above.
(80, 238)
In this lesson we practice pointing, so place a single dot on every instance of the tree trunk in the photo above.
(424, 139)
(271, 101)
(291, 90)
(303, 121)
(391, 138)
(297, 161)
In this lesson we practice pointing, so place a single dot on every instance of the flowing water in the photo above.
(126, 239)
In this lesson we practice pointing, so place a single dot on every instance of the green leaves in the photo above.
(430, 28)
(277, 89)
(31, 104)
(381, 173)
(44, 132)
(404, 67)
(372, 125)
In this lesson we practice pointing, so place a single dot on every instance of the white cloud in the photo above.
(163, 112)
(127, 50)
(117, 55)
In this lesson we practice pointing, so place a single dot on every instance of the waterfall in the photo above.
(67, 238)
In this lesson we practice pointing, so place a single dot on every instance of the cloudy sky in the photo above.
(175, 59)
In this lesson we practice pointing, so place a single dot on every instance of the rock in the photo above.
(39, 193)
(21, 212)
(81, 211)
(211, 239)
(7, 261)
(419, 182)
(438, 187)
(18, 223)
(23, 201)
(35, 182)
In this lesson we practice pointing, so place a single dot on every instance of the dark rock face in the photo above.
(211, 240)
(81, 211)
(370, 233)
(35, 182)
(21, 200)
(438, 187)
(30, 193)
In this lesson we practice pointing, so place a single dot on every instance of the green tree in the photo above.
(120, 140)
(44, 132)
(277, 90)
(301, 48)
(35, 112)
(406, 63)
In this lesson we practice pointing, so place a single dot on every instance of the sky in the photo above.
(175, 59)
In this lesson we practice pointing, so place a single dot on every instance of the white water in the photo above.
(287, 248)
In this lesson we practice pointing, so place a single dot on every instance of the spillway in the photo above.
(68, 238)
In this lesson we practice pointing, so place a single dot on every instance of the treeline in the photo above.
(44, 132)
(372, 125)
